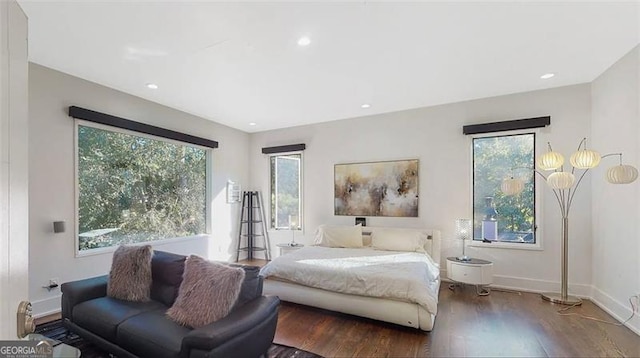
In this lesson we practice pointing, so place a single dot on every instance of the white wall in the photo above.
(434, 136)
(616, 208)
(51, 184)
(14, 195)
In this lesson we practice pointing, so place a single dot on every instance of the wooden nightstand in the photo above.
(287, 248)
(475, 272)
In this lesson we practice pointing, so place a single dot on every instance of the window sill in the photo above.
(506, 245)
(284, 230)
(111, 249)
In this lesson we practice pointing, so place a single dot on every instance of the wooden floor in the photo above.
(503, 324)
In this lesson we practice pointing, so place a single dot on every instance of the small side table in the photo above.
(474, 271)
(288, 247)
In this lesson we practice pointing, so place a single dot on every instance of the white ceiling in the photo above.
(236, 63)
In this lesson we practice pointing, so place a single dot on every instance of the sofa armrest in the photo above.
(247, 321)
(82, 290)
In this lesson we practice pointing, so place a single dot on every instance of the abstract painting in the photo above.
(377, 188)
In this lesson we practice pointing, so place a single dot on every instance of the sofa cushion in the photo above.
(103, 315)
(130, 275)
(250, 286)
(151, 334)
(167, 269)
(207, 293)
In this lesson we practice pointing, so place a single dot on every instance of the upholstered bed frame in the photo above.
(387, 310)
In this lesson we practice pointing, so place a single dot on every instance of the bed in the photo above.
(387, 274)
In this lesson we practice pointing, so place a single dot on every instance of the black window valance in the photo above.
(284, 148)
(107, 119)
(515, 124)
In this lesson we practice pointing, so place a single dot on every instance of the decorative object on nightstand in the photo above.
(472, 271)
(463, 232)
(562, 183)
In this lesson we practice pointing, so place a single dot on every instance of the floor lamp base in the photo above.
(556, 297)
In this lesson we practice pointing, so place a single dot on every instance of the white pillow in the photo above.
(398, 240)
(339, 236)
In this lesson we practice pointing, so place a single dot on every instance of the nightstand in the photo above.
(474, 272)
(287, 248)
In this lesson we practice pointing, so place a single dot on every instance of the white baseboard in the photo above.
(46, 307)
(533, 285)
(620, 311)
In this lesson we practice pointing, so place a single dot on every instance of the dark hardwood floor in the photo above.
(503, 324)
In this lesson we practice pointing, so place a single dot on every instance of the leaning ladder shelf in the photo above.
(251, 218)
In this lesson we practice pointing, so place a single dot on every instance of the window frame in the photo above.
(103, 250)
(271, 226)
(538, 202)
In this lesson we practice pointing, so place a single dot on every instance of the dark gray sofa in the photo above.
(141, 329)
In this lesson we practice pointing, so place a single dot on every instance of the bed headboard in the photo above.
(433, 245)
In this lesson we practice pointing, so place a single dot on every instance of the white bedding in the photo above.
(403, 276)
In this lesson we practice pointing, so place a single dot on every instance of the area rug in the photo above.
(55, 330)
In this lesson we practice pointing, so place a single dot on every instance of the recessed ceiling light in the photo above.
(152, 86)
(304, 41)
(366, 105)
(547, 76)
(252, 123)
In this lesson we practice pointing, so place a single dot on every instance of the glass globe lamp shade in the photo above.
(561, 180)
(463, 229)
(293, 222)
(585, 159)
(622, 174)
(512, 186)
(550, 161)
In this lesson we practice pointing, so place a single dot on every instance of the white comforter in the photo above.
(404, 276)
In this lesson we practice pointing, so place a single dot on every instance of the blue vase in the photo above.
(490, 221)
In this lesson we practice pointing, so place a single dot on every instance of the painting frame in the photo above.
(377, 188)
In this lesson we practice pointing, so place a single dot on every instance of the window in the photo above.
(286, 184)
(496, 216)
(136, 189)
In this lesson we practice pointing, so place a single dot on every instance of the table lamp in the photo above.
(293, 226)
(463, 232)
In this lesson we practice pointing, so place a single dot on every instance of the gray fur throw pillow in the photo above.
(130, 275)
(207, 293)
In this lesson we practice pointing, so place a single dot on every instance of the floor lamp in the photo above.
(562, 183)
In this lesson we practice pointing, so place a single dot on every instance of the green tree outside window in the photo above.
(496, 158)
(137, 189)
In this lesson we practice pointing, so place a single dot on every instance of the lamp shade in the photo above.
(622, 174)
(293, 222)
(463, 229)
(585, 159)
(550, 161)
(561, 180)
(512, 186)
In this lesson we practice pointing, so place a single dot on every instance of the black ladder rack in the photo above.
(251, 218)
